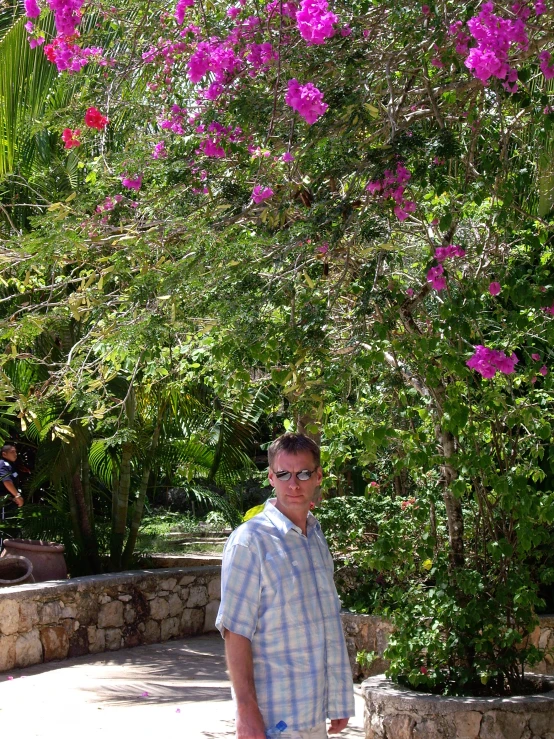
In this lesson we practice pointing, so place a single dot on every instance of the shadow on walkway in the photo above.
(179, 688)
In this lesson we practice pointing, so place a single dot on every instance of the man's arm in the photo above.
(238, 650)
(10, 487)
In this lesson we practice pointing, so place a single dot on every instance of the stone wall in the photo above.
(87, 615)
(394, 712)
(370, 634)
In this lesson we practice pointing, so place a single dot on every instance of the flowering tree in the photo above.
(327, 190)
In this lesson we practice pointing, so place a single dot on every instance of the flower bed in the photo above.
(370, 634)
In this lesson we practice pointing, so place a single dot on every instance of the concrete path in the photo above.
(175, 689)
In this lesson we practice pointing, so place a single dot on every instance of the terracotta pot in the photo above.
(15, 571)
(47, 558)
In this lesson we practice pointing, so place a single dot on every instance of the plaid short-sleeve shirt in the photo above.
(278, 591)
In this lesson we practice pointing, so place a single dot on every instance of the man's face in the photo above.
(11, 454)
(294, 496)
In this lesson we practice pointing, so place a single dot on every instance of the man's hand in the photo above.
(250, 724)
(18, 500)
(337, 725)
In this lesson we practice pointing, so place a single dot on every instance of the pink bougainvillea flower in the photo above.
(288, 157)
(259, 193)
(545, 67)
(425, 9)
(423, 670)
(446, 252)
(373, 187)
(490, 361)
(32, 9)
(544, 370)
(437, 62)
(410, 292)
(181, 9)
(132, 184)
(159, 151)
(315, 21)
(374, 484)
(37, 41)
(70, 138)
(345, 31)
(540, 7)
(549, 310)
(536, 357)
(306, 99)
(436, 278)
(324, 248)
(95, 119)
(495, 288)
(29, 27)
(533, 380)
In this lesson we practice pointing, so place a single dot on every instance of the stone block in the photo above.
(69, 611)
(159, 608)
(210, 615)
(169, 628)
(78, 642)
(96, 640)
(9, 617)
(28, 615)
(168, 583)
(198, 596)
(543, 639)
(151, 632)
(111, 615)
(192, 621)
(7, 652)
(214, 589)
(502, 725)
(28, 649)
(103, 599)
(113, 638)
(50, 613)
(87, 609)
(125, 598)
(162, 593)
(467, 724)
(187, 579)
(427, 729)
(55, 642)
(129, 614)
(398, 726)
(175, 605)
(541, 723)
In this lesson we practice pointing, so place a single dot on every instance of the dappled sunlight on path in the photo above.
(179, 688)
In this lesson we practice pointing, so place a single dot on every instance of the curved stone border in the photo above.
(86, 615)
(394, 712)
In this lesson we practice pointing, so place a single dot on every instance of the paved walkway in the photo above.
(177, 689)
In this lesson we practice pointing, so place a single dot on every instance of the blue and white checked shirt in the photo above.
(278, 591)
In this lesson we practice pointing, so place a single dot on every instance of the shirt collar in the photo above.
(284, 524)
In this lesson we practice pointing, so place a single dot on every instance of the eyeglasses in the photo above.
(303, 475)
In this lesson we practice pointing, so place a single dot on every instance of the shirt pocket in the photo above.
(281, 583)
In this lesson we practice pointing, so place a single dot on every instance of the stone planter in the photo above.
(15, 571)
(395, 712)
(46, 557)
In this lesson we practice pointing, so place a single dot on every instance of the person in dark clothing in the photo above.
(8, 475)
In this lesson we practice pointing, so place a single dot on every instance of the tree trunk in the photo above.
(119, 520)
(139, 504)
(88, 534)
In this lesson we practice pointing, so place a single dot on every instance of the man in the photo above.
(280, 613)
(8, 474)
